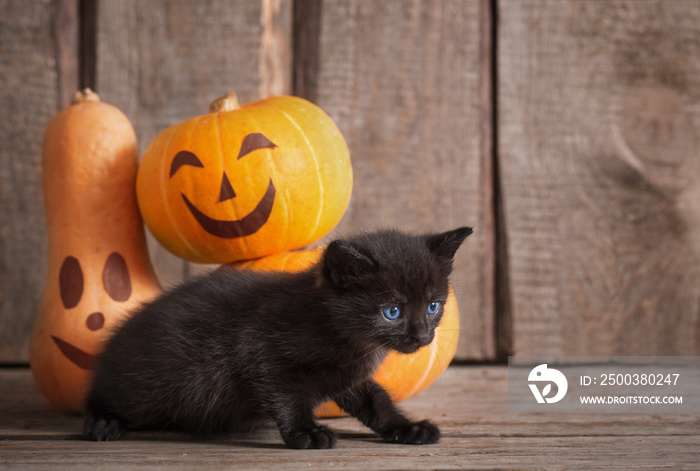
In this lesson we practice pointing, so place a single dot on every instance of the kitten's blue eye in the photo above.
(392, 313)
(433, 308)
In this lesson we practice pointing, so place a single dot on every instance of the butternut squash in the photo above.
(99, 269)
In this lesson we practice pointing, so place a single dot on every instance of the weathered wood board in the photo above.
(599, 154)
(38, 73)
(597, 124)
(408, 83)
(469, 404)
(162, 62)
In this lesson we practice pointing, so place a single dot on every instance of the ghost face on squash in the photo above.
(88, 294)
(245, 182)
(72, 335)
(93, 285)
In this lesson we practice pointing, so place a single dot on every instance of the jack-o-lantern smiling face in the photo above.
(246, 225)
(117, 285)
(245, 182)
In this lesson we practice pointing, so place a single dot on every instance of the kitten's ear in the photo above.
(445, 245)
(344, 264)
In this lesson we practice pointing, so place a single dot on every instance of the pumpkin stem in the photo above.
(225, 103)
(85, 95)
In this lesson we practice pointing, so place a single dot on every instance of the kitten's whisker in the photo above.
(461, 329)
(437, 347)
(440, 349)
(384, 346)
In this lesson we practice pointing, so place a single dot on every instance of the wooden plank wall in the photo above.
(408, 84)
(587, 226)
(599, 154)
(38, 74)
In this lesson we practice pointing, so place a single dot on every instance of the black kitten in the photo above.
(223, 352)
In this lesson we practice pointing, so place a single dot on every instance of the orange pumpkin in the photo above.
(98, 264)
(245, 181)
(402, 376)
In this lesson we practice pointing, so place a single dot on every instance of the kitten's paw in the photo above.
(318, 437)
(102, 428)
(419, 433)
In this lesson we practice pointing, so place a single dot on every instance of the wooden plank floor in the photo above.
(469, 404)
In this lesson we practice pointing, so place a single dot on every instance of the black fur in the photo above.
(229, 350)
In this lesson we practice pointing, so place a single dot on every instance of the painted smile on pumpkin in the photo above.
(78, 357)
(243, 227)
(247, 225)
